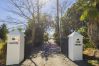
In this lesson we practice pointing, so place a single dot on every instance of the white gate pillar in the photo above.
(15, 47)
(75, 46)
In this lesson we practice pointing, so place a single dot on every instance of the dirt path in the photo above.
(54, 60)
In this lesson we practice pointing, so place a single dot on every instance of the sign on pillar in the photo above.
(15, 47)
(75, 47)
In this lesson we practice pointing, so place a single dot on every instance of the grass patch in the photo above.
(93, 62)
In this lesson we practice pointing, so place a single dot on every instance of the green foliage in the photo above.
(35, 30)
(81, 14)
(93, 62)
(1, 44)
(71, 19)
(57, 38)
(3, 32)
(45, 37)
(28, 36)
(34, 34)
(3, 38)
(83, 31)
(38, 36)
(84, 15)
(90, 9)
(88, 13)
(2, 52)
(91, 13)
(87, 43)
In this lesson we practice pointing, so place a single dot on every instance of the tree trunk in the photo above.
(93, 32)
(33, 30)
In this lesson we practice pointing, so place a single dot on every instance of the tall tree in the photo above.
(91, 13)
(71, 19)
(44, 24)
(29, 10)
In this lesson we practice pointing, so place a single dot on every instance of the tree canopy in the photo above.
(3, 32)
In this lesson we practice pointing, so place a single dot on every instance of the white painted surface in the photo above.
(15, 51)
(75, 49)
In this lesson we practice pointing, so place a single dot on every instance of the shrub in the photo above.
(2, 52)
(86, 41)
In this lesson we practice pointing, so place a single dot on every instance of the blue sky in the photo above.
(48, 8)
(3, 13)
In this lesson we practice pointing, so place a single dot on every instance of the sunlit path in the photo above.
(54, 57)
(55, 60)
(52, 41)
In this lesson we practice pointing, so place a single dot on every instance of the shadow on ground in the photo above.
(82, 63)
(85, 61)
